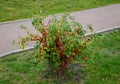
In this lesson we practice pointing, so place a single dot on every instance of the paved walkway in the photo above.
(101, 18)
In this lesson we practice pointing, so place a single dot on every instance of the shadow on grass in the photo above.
(74, 74)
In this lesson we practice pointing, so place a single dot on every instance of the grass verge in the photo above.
(21, 9)
(104, 68)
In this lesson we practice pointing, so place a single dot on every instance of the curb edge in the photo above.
(32, 47)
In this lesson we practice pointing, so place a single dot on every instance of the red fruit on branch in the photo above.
(44, 44)
(72, 56)
(62, 55)
(40, 50)
(89, 39)
(77, 51)
(67, 60)
(44, 34)
(85, 57)
(23, 41)
(59, 43)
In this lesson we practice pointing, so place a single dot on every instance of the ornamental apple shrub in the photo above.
(59, 42)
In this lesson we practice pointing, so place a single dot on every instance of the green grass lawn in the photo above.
(106, 62)
(21, 9)
(104, 68)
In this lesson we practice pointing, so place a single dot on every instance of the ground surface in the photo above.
(102, 67)
(101, 18)
(21, 9)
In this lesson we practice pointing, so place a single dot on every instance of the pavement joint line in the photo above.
(32, 47)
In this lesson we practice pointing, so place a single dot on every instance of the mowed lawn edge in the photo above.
(21, 9)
